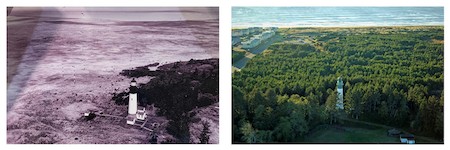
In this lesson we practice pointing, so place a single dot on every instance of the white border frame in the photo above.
(225, 68)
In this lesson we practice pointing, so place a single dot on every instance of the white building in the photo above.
(141, 114)
(340, 94)
(134, 112)
(131, 119)
(132, 101)
(407, 138)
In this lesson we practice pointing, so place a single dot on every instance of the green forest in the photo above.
(392, 76)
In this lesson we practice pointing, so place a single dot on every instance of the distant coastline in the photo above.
(101, 14)
(284, 17)
(340, 27)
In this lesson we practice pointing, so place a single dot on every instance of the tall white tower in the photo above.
(340, 93)
(132, 102)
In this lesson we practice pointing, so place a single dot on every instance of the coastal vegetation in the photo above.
(177, 89)
(392, 76)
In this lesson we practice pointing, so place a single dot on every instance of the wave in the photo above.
(336, 16)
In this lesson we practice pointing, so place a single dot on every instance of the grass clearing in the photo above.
(348, 134)
(356, 132)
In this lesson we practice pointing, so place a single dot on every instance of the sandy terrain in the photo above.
(68, 65)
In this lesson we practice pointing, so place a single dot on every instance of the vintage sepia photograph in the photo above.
(112, 75)
(338, 75)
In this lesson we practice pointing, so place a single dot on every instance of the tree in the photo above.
(353, 101)
(416, 96)
(259, 120)
(299, 125)
(271, 97)
(401, 111)
(204, 136)
(249, 134)
(330, 106)
(371, 99)
(254, 99)
(428, 113)
(283, 132)
(383, 111)
(239, 104)
(264, 136)
(314, 115)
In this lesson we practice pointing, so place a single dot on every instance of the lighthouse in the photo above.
(132, 102)
(340, 93)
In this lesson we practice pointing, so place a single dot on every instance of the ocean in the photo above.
(336, 16)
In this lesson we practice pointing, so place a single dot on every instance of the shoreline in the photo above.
(119, 13)
(373, 26)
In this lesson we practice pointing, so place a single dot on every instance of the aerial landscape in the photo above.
(338, 75)
(87, 75)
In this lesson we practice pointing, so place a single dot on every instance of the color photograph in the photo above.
(338, 75)
(112, 75)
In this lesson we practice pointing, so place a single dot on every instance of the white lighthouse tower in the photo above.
(340, 94)
(134, 112)
(132, 102)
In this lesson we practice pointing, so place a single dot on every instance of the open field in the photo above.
(343, 134)
(355, 131)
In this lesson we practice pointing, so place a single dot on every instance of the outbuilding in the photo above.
(407, 138)
(141, 114)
